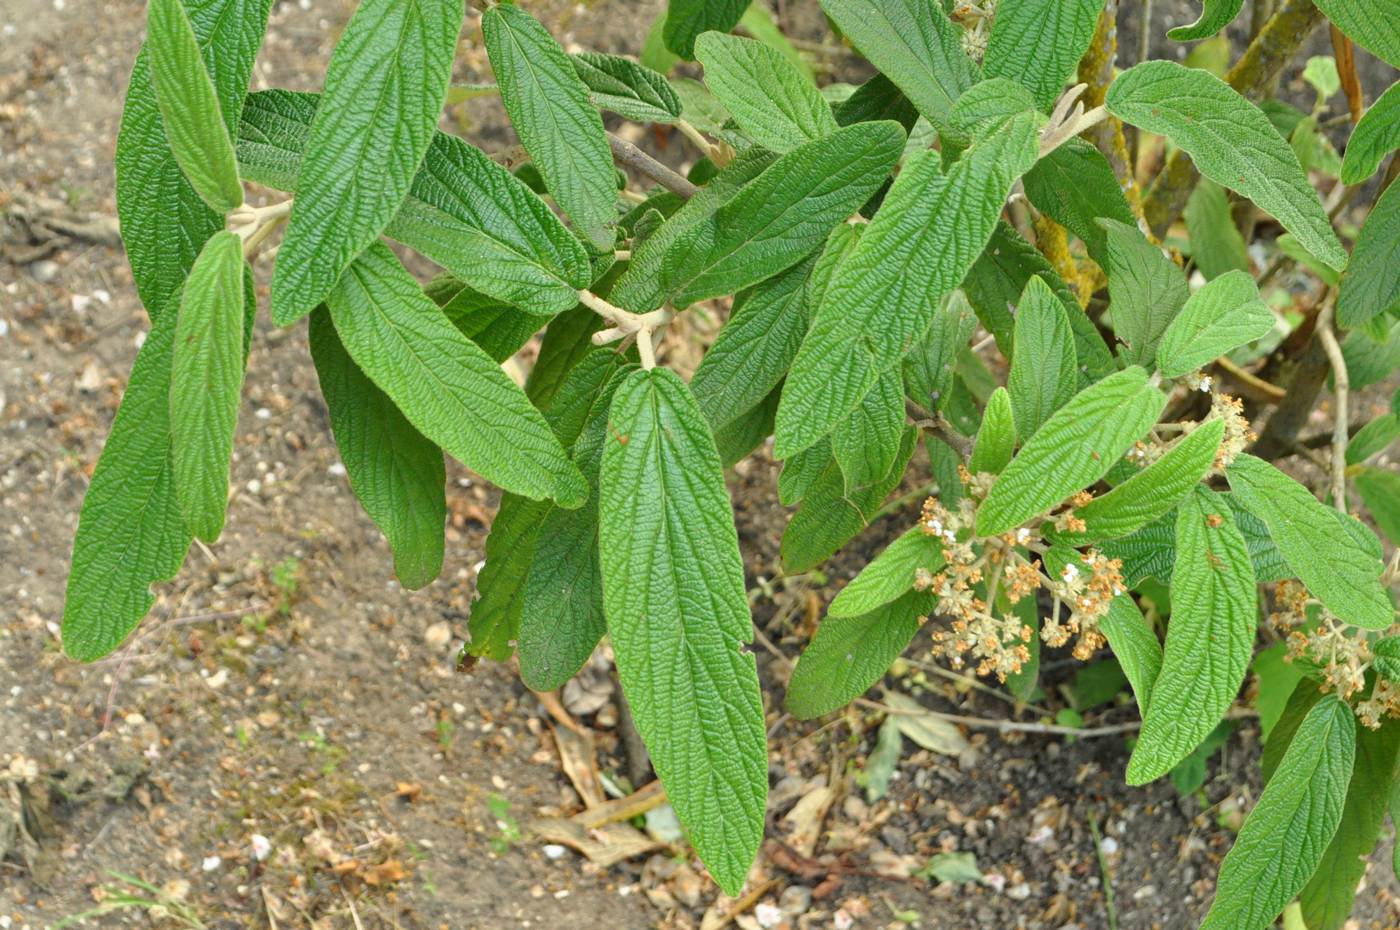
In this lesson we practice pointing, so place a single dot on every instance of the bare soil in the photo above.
(286, 689)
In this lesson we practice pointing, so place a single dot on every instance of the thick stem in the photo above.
(254, 224)
(1252, 75)
(625, 323)
(1281, 431)
(634, 158)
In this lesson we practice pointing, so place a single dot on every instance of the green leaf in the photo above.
(464, 211)
(1375, 136)
(494, 621)
(1373, 438)
(752, 352)
(497, 327)
(831, 514)
(1039, 43)
(913, 43)
(626, 88)
(1278, 677)
(1317, 546)
(1370, 286)
(890, 575)
(1189, 775)
(673, 591)
(1216, 243)
(758, 22)
(447, 387)
(1074, 448)
(737, 438)
(1230, 140)
(687, 19)
(1043, 369)
(360, 159)
(1380, 489)
(867, 443)
(773, 102)
(567, 341)
(1292, 248)
(882, 761)
(130, 532)
(1222, 316)
(998, 279)
(1134, 645)
(647, 283)
(562, 616)
(877, 99)
(1368, 23)
(1301, 700)
(549, 108)
(1370, 359)
(1148, 553)
(1154, 491)
(189, 107)
(1216, 15)
(929, 365)
(206, 381)
(1321, 72)
(1328, 896)
(397, 475)
(1387, 656)
(850, 654)
(1075, 186)
(775, 221)
(1210, 638)
(918, 248)
(996, 437)
(1146, 291)
(1283, 839)
(164, 223)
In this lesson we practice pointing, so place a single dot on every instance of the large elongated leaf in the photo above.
(1370, 286)
(673, 591)
(164, 222)
(752, 352)
(1215, 16)
(930, 230)
(1076, 187)
(831, 513)
(867, 442)
(687, 19)
(189, 107)
(996, 436)
(1328, 896)
(772, 223)
(206, 380)
(1145, 288)
(1369, 23)
(397, 475)
(1231, 141)
(463, 210)
(1154, 491)
(626, 88)
(1380, 490)
(562, 617)
(550, 111)
(1375, 136)
(1075, 448)
(1216, 243)
(1224, 315)
(494, 624)
(1038, 43)
(1043, 375)
(1317, 546)
(890, 575)
(130, 532)
(1210, 638)
(773, 102)
(448, 388)
(928, 366)
(849, 654)
(1284, 837)
(1134, 645)
(914, 44)
(385, 86)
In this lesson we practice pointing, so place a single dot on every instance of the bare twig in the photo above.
(1103, 871)
(1341, 385)
(707, 148)
(640, 161)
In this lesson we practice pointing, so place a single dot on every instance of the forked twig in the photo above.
(1069, 119)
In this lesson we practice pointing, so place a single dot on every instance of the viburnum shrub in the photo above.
(864, 234)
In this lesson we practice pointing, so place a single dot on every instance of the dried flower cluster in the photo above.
(1314, 635)
(1086, 590)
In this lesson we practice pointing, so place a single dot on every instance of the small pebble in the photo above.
(44, 270)
(553, 851)
(211, 863)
